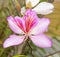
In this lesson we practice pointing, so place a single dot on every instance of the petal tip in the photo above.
(4, 45)
(46, 19)
(49, 45)
(9, 18)
(42, 41)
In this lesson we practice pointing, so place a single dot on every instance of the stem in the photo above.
(21, 48)
(30, 48)
(27, 42)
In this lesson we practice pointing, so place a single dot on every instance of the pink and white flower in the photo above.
(42, 8)
(29, 25)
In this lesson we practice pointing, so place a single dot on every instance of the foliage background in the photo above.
(8, 7)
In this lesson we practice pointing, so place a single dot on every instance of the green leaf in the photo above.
(19, 56)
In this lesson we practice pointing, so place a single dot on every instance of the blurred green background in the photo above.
(9, 7)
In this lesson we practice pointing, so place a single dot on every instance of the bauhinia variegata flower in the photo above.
(44, 8)
(40, 7)
(29, 25)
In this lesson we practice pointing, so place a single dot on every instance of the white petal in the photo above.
(33, 2)
(13, 40)
(44, 8)
(23, 10)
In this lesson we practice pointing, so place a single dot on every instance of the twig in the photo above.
(36, 4)
(52, 54)
(23, 48)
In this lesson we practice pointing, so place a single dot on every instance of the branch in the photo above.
(52, 54)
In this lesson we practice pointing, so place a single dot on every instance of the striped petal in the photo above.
(30, 19)
(13, 25)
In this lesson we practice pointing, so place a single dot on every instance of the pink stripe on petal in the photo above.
(20, 22)
(14, 27)
(41, 27)
(13, 40)
(31, 12)
(30, 19)
(41, 41)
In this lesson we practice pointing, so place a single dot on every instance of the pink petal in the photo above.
(30, 19)
(41, 41)
(41, 27)
(13, 40)
(13, 25)
(20, 22)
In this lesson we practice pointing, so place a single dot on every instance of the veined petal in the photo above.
(41, 27)
(12, 24)
(13, 40)
(20, 22)
(41, 41)
(33, 2)
(30, 19)
(44, 8)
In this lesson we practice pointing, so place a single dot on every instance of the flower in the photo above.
(29, 25)
(43, 8)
